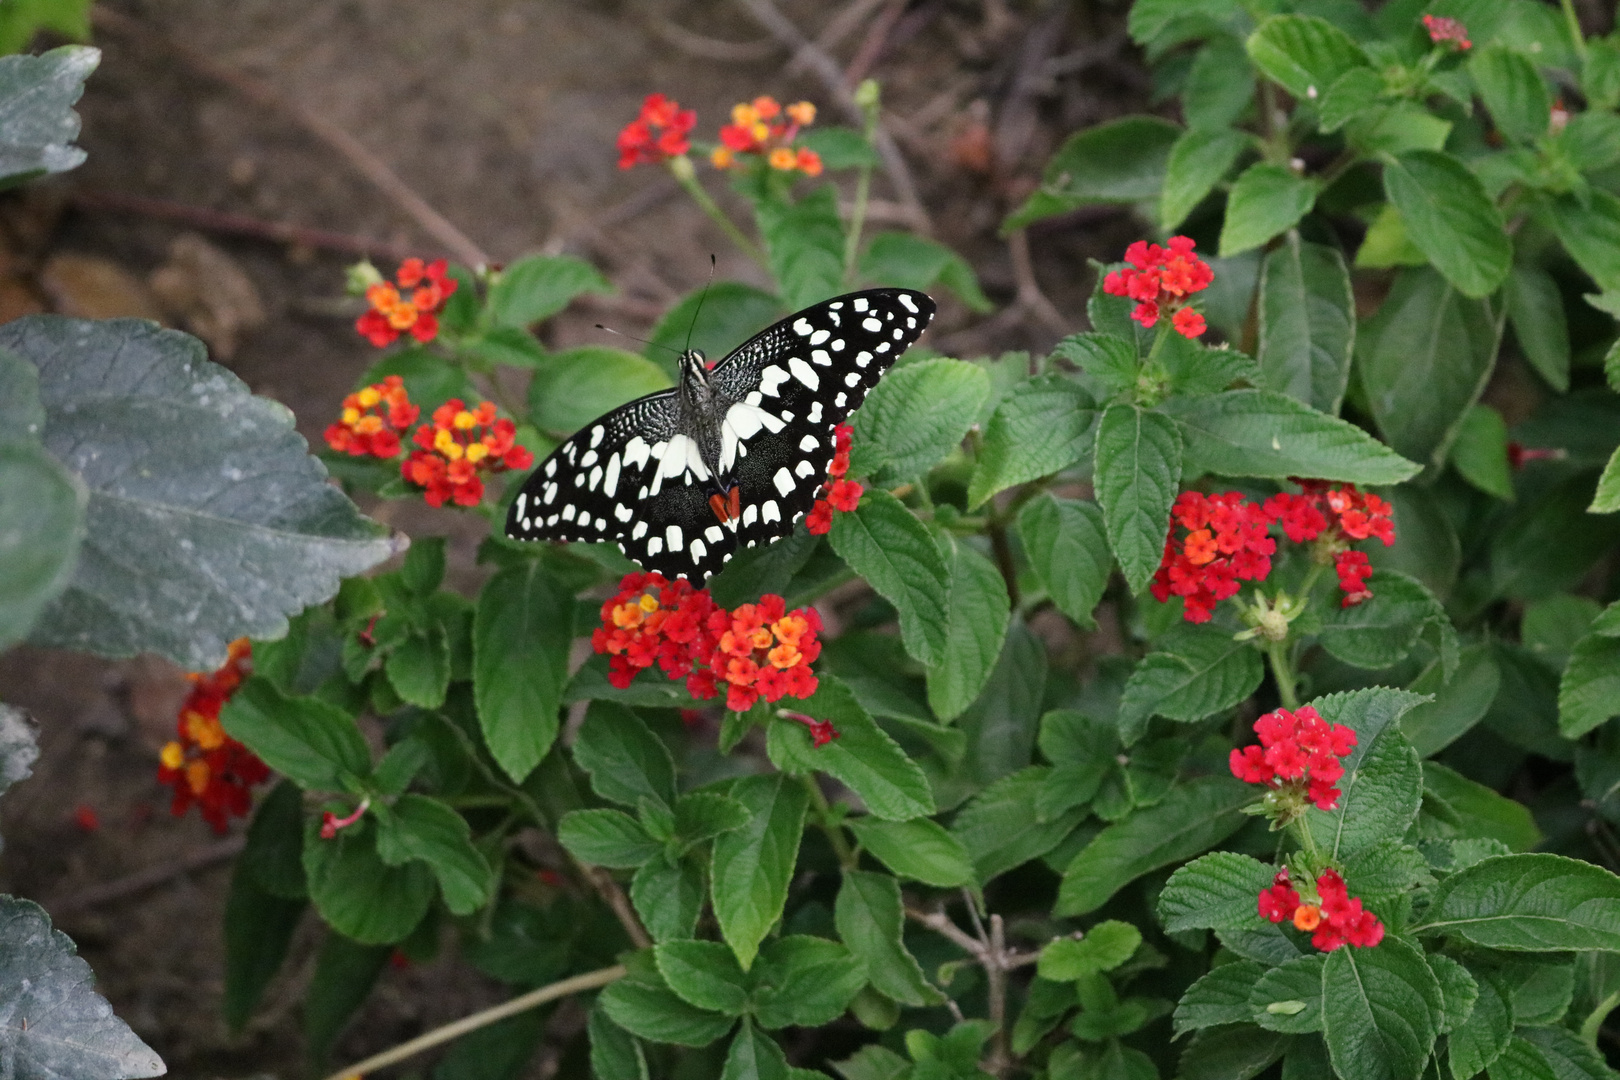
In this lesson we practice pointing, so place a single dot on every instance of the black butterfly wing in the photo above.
(792, 384)
(631, 478)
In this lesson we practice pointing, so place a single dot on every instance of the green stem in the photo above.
(1283, 671)
(866, 96)
(688, 180)
(847, 858)
(1575, 36)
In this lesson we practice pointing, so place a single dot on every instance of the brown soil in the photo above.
(501, 115)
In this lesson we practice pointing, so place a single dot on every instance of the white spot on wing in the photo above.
(839, 400)
(861, 304)
(698, 551)
(820, 336)
(804, 373)
(551, 466)
(673, 535)
(596, 477)
(635, 452)
(815, 412)
(639, 531)
(588, 460)
(802, 327)
(750, 512)
(804, 469)
(568, 512)
(596, 435)
(869, 323)
(772, 378)
(907, 303)
(714, 534)
(863, 358)
(654, 546)
(821, 356)
(783, 480)
(610, 482)
(808, 444)
(623, 512)
(852, 379)
(771, 512)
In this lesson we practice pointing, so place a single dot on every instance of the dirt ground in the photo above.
(501, 115)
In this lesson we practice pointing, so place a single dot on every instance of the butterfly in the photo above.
(731, 456)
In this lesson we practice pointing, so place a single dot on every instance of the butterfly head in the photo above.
(694, 367)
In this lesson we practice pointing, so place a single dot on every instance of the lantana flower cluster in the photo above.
(837, 493)
(203, 764)
(1335, 919)
(372, 420)
(1442, 29)
(1300, 758)
(1334, 518)
(661, 131)
(757, 651)
(1162, 280)
(1225, 542)
(462, 445)
(766, 129)
(411, 302)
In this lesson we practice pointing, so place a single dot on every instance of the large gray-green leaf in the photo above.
(1424, 359)
(207, 518)
(37, 121)
(19, 745)
(56, 1027)
(1307, 323)
(41, 528)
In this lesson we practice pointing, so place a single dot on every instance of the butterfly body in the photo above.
(733, 455)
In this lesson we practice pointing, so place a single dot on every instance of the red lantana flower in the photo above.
(1443, 29)
(765, 652)
(458, 448)
(1162, 280)
(837, 493)
(1334, 518)
(763, 128)
(1299, 753)
(203, 764)
(413, 304)
(1337, 919)
(660, 132)
(1225, 542)
(372, 420)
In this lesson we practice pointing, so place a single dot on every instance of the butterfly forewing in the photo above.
(636, 478)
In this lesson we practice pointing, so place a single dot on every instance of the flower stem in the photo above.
(1283, 671)
(1576, 38)
(867, 97)
(847, 858)
(688, 180)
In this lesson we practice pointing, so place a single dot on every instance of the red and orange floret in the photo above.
(372, 420)
(764, 128)
(838, 493)
(1225, 542)
(1333, 518)
(1334, 920)
(458, 449)
(413, 304)
(203, 764)
(1162, 280)
(659, 132)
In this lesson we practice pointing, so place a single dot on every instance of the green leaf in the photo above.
(419, 668)
(1230, 1052)
(1219, 87)
(258, 928)
(429, 381)
(1307, 323)
(1122, 161)
(1452, 220)
(37, 121)
(615, 1053)
(1220, 996)
(1000, 829)
(1548, 542)
(1381, 1011)
(1138, 467)
(885, 543)
(1103, 948)
(914, 262)
(521, 637)
(71, 1030)
(1288, 998)
(1353, 95)
(539, 286)
(1067, 546)
(1459, 990)
(1214, 892)
(344, 975)
(1192, 818)
(1589, 229)
(274, 854)
(1304, 53)
(643, 1005)
(752, 866)
(804, 981)
(1424, 358)
(1536, 310)
(1589, 689)
(1459, 703)
(916, 415)
(863, 757)
(1606, 498)
(1480, 451)
(1266, 434)
(1109, 361)
(754, 1056)
(705, 974)
(1044, 426)
(1382, 783)
(765, 568)
(1200, 159)
(668, 895)
(871, 921)
(919, 849)
(1476, 811)
(304, 738)
(425, 829)
(975, 630)
(1512, 90)
(1151, 18)
(625, 760)
(1529, 903)
(206, 518)
(1000, 727)
(1481, 1039)
(704, 815)
(1266, 199)
(731, 312)
(609, 838)
(1199, 671)
(804, 246)
(1386, 244)
(1551, 1052)
(1379, 632)
(358, 894)
(570, 389)
(42, 508)
(839, 147)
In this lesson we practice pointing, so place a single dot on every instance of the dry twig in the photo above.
(151, 877)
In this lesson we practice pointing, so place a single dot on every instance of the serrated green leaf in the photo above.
(804, 981)
(752, 866)
(1137, 471)
(754, 1056)
(919, 849)
(979, 610)
(521, 637)
(1067, 546)
(1529, 903)
(1000, 829)
(886, 544)
(609, 838)
(206, 520)
(704, 974)
(1512, 90)
(419, 668)
(913, 262)
(425, 829)
(1230, 1052)
(1606, 497)
(1103, 948)
(1589, 689)
(358, 894)
(871, 921)
(1381, 1011)
(1480, 451)
(1451, 219)
(1382, 783)
(1288, 998)
(625, 760)
(1219, 87)
(1215, 892)
(539, 286)
(1459, 702)
(570, 389)
(645, 1007)
(615, 1053)
(839, 147)
(1424, 358)
(1109, 361)
(1459, 990)
(1220, 996)
(345, 972)
(915, 416)
(804, 246)
(1192, 818)
(1304, 53)
(1307, 323)
(1554, 1052)
(1198, 671)
(1200, 159)
(258, 928)
(1535, 308)
(1122, 161)
(1474, 810)
(275, 842)
(668, 895)
(314, 743)
(1589, 229)
(1351, 95)
(1266, 199)
(1044, 426)
(999, 728)
(1380, 631)
(1386, 244)
(37, 121)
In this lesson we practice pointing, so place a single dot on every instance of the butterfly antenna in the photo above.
(632, 337)
(704, 295)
